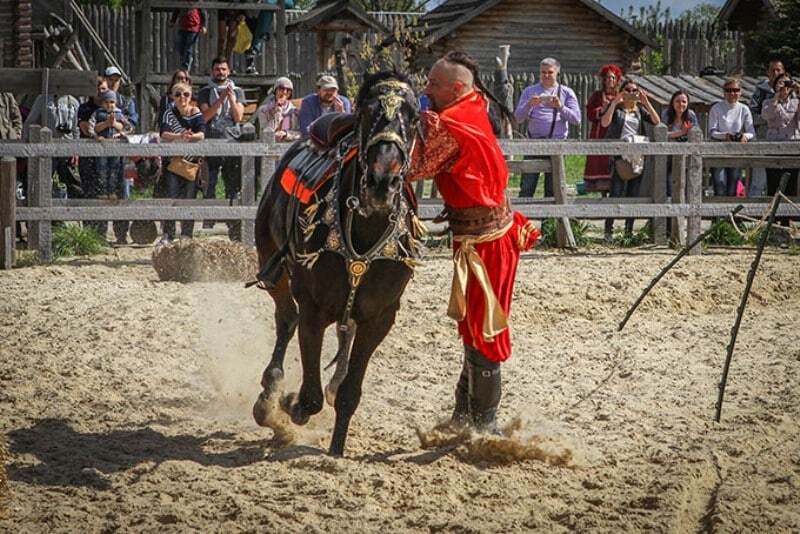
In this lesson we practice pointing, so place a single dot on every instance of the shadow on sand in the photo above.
(67, 457)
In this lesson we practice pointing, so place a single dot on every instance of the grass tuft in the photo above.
(74, 240)
(580, 230)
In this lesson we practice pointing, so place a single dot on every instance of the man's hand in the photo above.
(743, 139)
(338, 105)
(230, 93)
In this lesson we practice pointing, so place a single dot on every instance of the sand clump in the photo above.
(206, 260)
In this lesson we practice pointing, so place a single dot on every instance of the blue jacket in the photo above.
(311, 110)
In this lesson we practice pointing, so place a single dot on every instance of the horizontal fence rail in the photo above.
(687, 204)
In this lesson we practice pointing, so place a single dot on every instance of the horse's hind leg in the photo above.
(368, 337)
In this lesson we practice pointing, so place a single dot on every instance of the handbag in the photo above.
(184, 168)
(630, 167)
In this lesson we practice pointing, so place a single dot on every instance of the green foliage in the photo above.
(777, 37)
(580, 230)
(74, 240)
(724, 234)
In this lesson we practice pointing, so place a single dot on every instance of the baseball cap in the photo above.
(112, 71)
(327, 82)
(108, 96)
(284, 82)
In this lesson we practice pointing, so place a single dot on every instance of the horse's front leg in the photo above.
(309, 400)
(368, 336)
(285, 326)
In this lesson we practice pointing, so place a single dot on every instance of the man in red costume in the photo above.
(462, 154)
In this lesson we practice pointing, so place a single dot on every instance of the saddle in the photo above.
(312, 166)
(328, 130)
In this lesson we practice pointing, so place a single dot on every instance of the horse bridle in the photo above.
(391, 101)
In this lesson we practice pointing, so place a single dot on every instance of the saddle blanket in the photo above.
(308, 171)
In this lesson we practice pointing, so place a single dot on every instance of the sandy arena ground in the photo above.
(126, 406)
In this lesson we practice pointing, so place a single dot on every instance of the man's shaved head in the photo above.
(448, 81)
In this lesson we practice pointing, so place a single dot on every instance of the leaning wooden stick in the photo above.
(669, 266)
(776, 200)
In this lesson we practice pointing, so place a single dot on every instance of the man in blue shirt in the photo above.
(326, 100)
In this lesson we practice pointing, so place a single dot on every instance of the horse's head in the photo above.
(388, 113)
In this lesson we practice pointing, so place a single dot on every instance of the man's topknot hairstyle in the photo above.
(465, 60)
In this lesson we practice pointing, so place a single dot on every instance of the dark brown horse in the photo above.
(343, 254)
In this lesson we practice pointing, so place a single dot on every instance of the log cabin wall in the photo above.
(578, 37)
(7, 15)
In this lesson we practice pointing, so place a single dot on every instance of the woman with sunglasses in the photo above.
(179, 76)
(729, 120)
(625, 118)
(181, 122)
(597, 173)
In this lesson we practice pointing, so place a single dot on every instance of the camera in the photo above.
(736, 137)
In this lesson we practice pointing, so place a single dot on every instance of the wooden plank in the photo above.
(135, 213)
(536, 165)
(694, 194)
(60, 81)
(281, 54)
(40, 232)
(564, 235)
(659, 190)
(679, 197)
(767, 162)
(8, 211)
(94, 149)
(169, 5)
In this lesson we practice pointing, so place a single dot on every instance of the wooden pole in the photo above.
(281, 53)
(660, 186)
(267, 163)
(40, 187)
(8, 211)
(678, 197)
(695, 192)
(248, 195)
(564, 235)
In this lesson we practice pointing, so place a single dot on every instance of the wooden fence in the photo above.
(687, 204)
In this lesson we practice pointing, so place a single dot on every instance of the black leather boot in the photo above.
(461, 410)
(484, 391)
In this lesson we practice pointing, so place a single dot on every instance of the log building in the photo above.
(581, 34)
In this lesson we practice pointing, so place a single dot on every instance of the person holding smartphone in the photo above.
(549, 107)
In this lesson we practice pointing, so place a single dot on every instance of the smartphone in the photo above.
(631, 97)
(545, 99)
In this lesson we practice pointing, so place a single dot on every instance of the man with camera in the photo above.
(549, 107)
(762, 93)
(729, 120)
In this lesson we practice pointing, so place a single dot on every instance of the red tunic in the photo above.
(597, 174)
(462, 154)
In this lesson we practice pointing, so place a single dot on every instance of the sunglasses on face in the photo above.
(184, 94)
(732, 90)
(631, 90)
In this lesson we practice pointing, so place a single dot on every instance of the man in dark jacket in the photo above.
(762, 93)
(326, 100)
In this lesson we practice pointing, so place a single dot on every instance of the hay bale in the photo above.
(4, 493)
(206, 260)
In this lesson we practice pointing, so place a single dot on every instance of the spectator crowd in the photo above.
(619, 110)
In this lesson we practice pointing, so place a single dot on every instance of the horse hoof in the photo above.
(330, 396)
(292, 406)
(261, 409)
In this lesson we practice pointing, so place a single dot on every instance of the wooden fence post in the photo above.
(695, 192)
(248, 197)
(660, 186)
(564, 235)
(281, 54)
(268, 164)
(8, 212)
(678, 236)
(40, 195)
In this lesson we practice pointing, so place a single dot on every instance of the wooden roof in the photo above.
(703, 90)
(452, 14)
(336, 15)
(732, 10)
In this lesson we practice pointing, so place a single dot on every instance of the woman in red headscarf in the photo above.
(597, 174)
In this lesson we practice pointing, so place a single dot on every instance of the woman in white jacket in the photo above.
(729, 120)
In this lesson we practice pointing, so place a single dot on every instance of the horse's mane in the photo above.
(372, 79)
